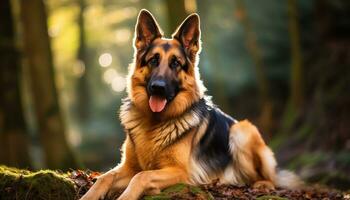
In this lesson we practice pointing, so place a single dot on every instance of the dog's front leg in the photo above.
(119, 176)
(151, 181)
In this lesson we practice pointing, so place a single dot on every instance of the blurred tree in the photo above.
(83, 96)
(58, 153)
(265, 120)
(296, 84)
(176, 14)
(13, 135)
(212, 53)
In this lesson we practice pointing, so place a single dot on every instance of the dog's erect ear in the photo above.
(188, 33)
(146, 30)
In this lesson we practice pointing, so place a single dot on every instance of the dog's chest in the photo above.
(147, 152)
(155, 145)
(160, 143)
(151, 156)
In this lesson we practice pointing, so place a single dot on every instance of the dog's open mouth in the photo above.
(157, 103)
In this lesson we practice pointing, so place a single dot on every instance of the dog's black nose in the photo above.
(158, 87)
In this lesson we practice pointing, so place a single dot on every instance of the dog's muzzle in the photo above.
(158, 92)
(158, 87)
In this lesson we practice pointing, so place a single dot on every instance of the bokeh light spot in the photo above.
(105, 59)
(109, 75)
(122, 35)
(118, 83)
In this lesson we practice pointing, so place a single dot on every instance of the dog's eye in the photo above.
(174, 64)
(154, 61)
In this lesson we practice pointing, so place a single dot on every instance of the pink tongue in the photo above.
(157, 104)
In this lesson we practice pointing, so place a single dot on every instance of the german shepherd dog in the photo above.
(173, 131)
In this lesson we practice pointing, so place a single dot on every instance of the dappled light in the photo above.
(78, 68)
(123, 36)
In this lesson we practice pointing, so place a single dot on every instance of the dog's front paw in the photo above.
(89, 196)
(264, 185)
(123, 198)
(128, 196)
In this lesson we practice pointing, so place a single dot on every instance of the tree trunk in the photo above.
(13, 135)
(83, 96)
(265, 120)
(176, 14)
(216, 81)
(296, 83)
(58, 153)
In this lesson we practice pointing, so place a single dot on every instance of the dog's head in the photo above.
(164, 79)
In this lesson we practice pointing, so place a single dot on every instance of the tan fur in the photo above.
(158, 152)
(254, 159)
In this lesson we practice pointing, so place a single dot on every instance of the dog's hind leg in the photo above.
(266, 168)
(253, 160)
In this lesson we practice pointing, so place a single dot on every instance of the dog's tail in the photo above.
(288, 179)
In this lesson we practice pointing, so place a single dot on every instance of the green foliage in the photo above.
(43, 184)
(308, 159)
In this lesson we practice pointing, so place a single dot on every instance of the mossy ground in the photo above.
(43, 184)
(54, 185)
(181, 191)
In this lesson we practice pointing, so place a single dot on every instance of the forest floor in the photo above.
(47, 184)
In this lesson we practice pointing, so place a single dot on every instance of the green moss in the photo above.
(181, 191)
(175, 188)
(196, 190)
(43, 184)
(270, 197)
(157, 197)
